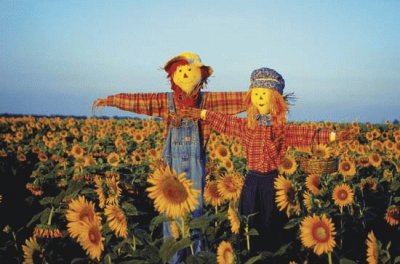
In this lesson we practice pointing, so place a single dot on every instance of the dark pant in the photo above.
(258, 196)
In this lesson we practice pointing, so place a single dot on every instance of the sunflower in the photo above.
(313, 183)
(136, 157)
(372, 248)
(99, 191)
(33, 253)
(172, 193)
(47, 231)
(80, 211)
(225, 253)
(369, 183)
(116, 220)
(363, 161)
(211, 194)
(228, 165)
(234, 220)
(222, 152)
(322, 151)
(347, 168)
(113, 159)
(77, 152)
(388, 175)
(236, 149)
(174, 229)
(230, 186)
(375, 159)
(392, 216)
(43, 157)
(307, 201)
(89, 161)
(113, 190)
(91, 239)
(318, 233)
(138, 137)
(288, 165)
(285, 196)
(342, 195)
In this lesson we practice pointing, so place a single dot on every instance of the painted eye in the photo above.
(180, 70)
(256, 94)
(189, 69)
(263, 93)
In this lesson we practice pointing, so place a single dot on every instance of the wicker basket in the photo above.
(318, 166)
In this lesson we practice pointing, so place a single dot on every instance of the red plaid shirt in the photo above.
(156, 104)
(262, 153)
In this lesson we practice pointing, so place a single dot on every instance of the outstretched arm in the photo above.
(300, 136)
(224, 102)
(223, 123)
(152, 104)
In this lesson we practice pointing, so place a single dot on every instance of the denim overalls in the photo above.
(183, 151)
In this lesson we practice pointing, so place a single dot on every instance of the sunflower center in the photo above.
(174, 191)
(290, 193)
(86, 215)
(346, 166)
(94, 235)
(223, 152)
(227, 255)
(320, 233)
(229, 185)
(287, 164)
(342, 194)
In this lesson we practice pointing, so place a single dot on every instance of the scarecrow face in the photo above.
(187, 77)
(260, 98)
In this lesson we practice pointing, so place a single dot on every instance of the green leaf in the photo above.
(129, 209)
(46, 200)
(200, 223)
(253, 232)
(395, 186)
(397, 199)
(34, 219)
(282, 250)
(58, 199)
(45, 216)
(156, 221)
(254, 259)
(347, 261)
(397, 260)
(292, 223)
(170, 247)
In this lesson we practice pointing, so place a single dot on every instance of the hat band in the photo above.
(267, 79)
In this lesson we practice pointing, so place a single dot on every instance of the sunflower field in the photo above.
(94, 191)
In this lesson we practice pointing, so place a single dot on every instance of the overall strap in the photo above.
(201, 100)
(171, 103)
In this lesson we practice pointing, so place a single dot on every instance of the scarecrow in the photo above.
(266, 137)
(184, 147)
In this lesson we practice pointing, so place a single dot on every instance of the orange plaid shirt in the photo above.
(262, 153)
(156, 104)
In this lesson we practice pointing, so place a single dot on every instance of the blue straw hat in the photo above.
(267, 78)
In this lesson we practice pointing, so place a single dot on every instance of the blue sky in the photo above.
(341, 58)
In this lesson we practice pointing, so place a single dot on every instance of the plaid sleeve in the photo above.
(226, 124)
(224, 102)
(300, 136)
(152, 104)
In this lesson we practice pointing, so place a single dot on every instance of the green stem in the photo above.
(134, 243)
(50, 216)
(329, 258)
(246, 229)
(216, 212)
